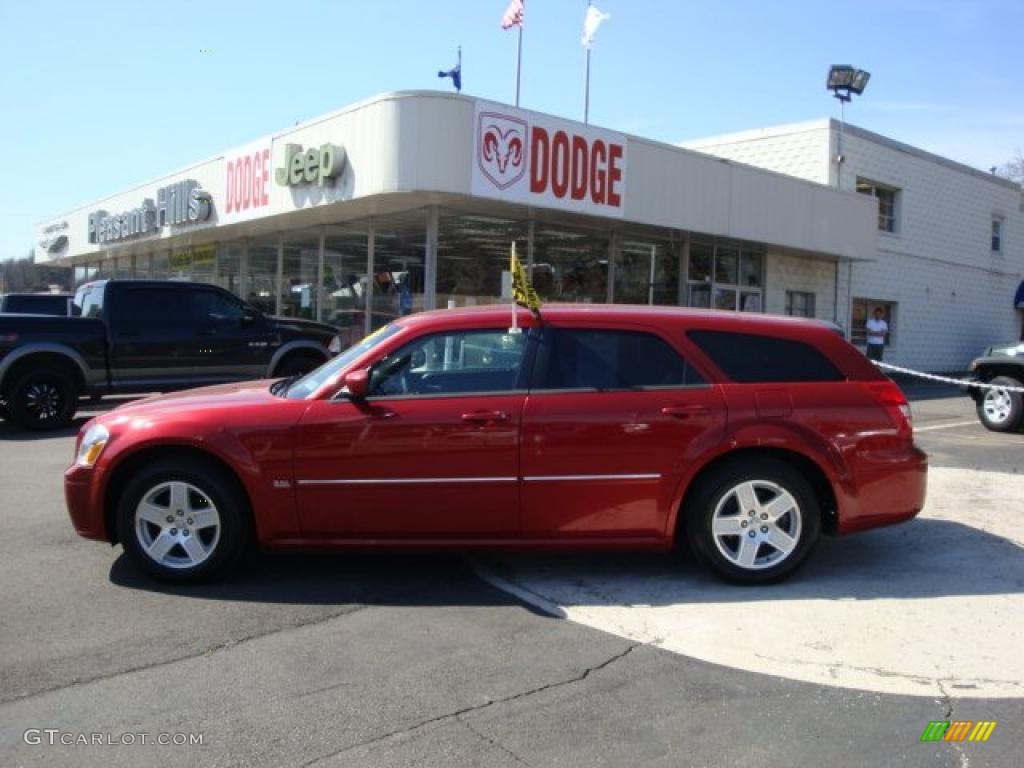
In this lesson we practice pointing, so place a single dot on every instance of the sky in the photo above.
(96, 97)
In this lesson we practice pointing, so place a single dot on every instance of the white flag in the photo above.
(592, 21)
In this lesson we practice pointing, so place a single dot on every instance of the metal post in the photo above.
(279, 278)
(319, 292)
(519, 62)
(430, 270)
(371, 243)
(244, 278)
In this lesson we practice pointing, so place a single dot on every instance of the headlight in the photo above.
(335, 346)
(92, 446)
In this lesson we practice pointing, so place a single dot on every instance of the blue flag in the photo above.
(455, 73)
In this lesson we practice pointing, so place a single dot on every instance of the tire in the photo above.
(42, 399)
(1000, 410)
(184, 490)
(717, 505)
(298, 364)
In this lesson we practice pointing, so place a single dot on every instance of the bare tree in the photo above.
(24, 275)
(1013, 169)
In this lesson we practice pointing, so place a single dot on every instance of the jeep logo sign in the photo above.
(536, 160)
(320, 165)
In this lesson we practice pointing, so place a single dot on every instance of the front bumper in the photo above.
(84, 497)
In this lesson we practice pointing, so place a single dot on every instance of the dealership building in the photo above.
(410, 201)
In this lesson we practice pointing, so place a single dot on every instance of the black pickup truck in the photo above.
(132, 336)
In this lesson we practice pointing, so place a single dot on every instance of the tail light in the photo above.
(895, 404)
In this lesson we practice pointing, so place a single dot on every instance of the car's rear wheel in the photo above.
(754, 522)
(183, 521)
(1001, 410)
(43, 399)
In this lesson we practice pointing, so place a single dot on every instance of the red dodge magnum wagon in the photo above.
(591, 427)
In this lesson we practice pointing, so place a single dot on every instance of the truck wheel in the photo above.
(41, 400)
(999, 409)
(183, 521)
(298, 364)
(754, 522)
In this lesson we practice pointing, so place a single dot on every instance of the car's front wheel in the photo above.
(754, 522)
(183, 521)
(1001, 410)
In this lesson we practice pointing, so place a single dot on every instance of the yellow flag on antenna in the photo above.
(523, 293)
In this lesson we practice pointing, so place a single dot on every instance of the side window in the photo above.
(609, 359)
(90, 303)
(209, 309)
(457, 362)
(146, 311)
(747, 358)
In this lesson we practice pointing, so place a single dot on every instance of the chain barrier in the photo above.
(944, 379)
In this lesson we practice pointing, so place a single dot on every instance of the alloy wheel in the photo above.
(44, 401)
(998, 405)
(756, 524)
(177, 525)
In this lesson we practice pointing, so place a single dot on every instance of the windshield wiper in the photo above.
(281, 387)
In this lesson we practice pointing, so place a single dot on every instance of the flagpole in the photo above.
(586, 91)
(519, 62)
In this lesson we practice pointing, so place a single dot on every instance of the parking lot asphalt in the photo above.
(385, 659)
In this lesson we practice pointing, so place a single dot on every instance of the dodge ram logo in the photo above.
(501, 148)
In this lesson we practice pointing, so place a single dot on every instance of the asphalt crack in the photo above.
(494, 743)
(459, 713)
(227, 645)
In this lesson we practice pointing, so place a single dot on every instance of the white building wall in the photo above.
(954, 295)
(796, 273)
(799, 150)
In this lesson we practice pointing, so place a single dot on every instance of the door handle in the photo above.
(685, 411)
(485, 417)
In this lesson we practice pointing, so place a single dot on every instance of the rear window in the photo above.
(747, 358)
(609, 359)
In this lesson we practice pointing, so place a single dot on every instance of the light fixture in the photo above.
(844, 80)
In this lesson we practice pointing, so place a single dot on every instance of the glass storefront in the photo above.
(361, 275)
(725, 276)
(399, 266)
(345, 283)
(570, 264)
(473, 258)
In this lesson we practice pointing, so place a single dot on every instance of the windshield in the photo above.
(312, 381)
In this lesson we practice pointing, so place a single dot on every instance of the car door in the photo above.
(152, 342)
(433, 450)
(606, 428)
(233, 343)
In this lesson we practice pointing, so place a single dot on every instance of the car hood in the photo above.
(300, 325)
(1011, 349)
(245, 394)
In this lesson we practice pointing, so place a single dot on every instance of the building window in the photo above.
(997, 234)
(725, 276)
(864, 310)
(799, 304)
(887, 202)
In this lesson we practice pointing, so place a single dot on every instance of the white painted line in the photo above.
(946, 426)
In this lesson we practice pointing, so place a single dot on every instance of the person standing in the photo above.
(877, 329)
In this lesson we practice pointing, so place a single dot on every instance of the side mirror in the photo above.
(248, 318)
(357, 383)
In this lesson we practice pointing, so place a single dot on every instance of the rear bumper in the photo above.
(891, 488)
(84, 500)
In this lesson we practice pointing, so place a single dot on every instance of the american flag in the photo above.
(513, 14)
